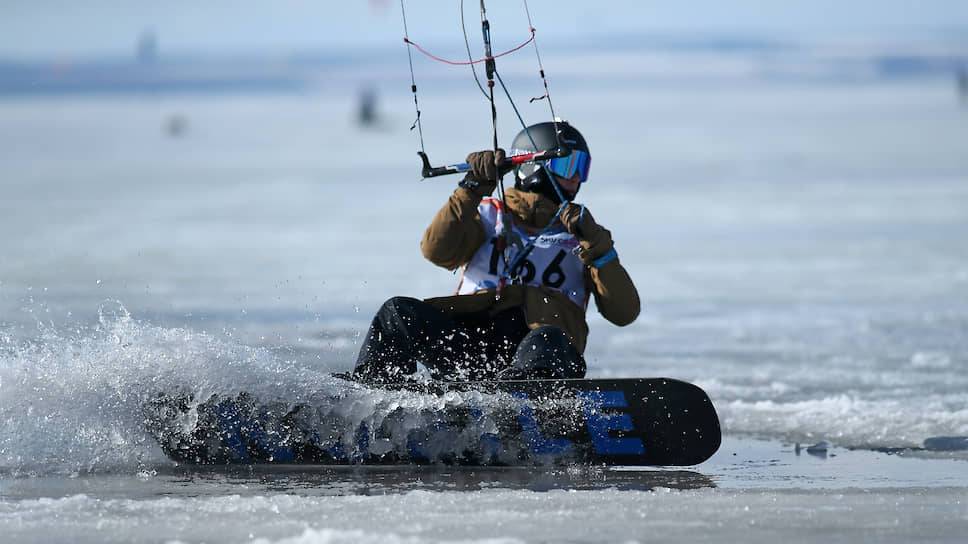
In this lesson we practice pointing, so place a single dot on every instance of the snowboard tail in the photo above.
(656, 421)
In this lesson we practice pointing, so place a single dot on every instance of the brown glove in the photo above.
(485, 170)
(595, 241)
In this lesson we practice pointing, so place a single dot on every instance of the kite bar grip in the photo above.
(435, 171)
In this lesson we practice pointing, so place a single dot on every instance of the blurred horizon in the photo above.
(99, 30)
(149, 67)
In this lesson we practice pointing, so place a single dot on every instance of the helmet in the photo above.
(535, 177)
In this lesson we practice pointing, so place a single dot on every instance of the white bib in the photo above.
(552, 263)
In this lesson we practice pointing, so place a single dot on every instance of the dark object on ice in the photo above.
(367, 112)
(946, 443)
(176, 125)
(817, 450)
(963, 83)
(406, 330)
(638, 422)
(148, 47)
(819, 447)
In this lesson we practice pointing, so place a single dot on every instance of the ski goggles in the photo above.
(577, 162)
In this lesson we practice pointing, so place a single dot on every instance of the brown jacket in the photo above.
(456, 234)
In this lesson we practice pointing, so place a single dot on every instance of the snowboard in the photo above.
(632, 422)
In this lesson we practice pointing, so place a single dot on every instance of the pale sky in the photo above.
(83, 28)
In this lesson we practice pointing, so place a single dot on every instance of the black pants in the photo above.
(406, 331)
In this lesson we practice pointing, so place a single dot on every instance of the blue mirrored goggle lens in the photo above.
(577, 162)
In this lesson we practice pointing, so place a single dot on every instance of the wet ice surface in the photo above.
(799, 249)
(606, 515)
(755, 491)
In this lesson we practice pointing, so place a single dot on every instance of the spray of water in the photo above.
(74, 402)
(70, 401)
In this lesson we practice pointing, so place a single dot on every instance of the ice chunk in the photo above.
(946, 443)
(819, 449)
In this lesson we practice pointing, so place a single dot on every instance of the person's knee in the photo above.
(400, 310)
(547, 352)
(399, 304)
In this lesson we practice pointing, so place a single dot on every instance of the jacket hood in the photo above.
(530, 209)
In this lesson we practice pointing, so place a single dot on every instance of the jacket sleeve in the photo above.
(456, 231)
(615, 294)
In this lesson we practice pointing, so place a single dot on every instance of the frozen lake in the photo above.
(799, 247)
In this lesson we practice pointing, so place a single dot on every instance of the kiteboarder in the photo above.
(519, 311)
(963, 84)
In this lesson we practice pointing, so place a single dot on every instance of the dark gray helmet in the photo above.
(534, 177)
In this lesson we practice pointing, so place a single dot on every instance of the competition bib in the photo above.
(552, 263)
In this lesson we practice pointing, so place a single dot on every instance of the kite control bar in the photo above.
(434, 171)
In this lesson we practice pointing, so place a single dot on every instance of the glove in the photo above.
(594, 240)
(485, 169)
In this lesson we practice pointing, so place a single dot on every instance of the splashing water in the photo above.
(71, 402)
(74, 403)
